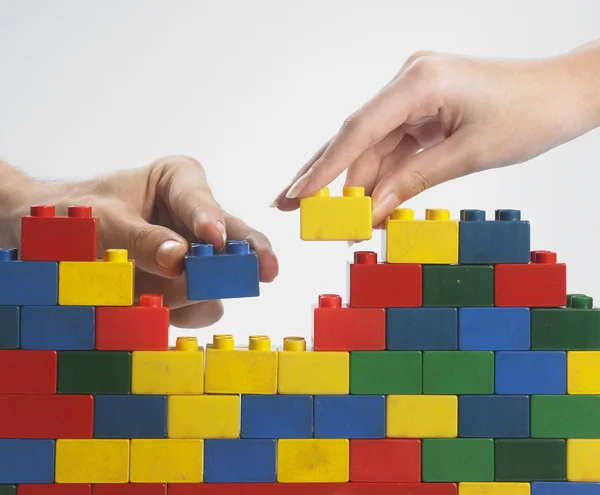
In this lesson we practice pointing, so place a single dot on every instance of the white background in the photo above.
(252, 89)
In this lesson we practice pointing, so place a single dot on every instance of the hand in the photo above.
(466, 115)
(154, 212)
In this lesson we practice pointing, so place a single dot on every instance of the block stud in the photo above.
(80, 211)
(198, 249)
(472, 215)
(259, 343)
(437, 214)
(571, 296)
(330, 301)
(543, 257)
(116, 255)
(223, 342)
(508, 215)
(580, 302)
(403, 214)
(238, 247)
(45, 211)
(151, 300)
(8, 254)
(189, 344)
(297, 344)
(323, 193)
(356, 192)
(365, 258)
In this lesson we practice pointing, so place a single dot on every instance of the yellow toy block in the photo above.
(313, 460)
(582, 460)
(344, 218)
(92, 461)
(312, 373)
(167, 460)
(204, 416)
(583, 372)
(241, 371)
(97, 283)
(494, 488)
(179, 371)
(430, 241)
(422, 416)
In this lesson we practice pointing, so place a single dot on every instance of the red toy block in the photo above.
(130, 489)
(46, 237)
(134, 328)
(54, 489)
(383, 285)
(46, 416)
(539, 284)
(390, 460)
(28, 372)
(338, 328)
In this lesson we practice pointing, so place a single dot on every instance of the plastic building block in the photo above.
(422, 328)
(345, 218)
(57, 327)
(240, 461)
(97, 283)
(92, 461)
(350, 416)
(430, 241)
(136, 328)
(564, 488)
(576, 327)
(386, 460)
(130, 416)
(179, 371)
(583, 372)
(55, 489)
(277, 416)
(582, 460)
(296, 461)
(494, 329)
(10, 327)
(493, 416)
(26, 461)
(241, 371)
(530, 459)
(27, 283)
(494, 488)
(231, 274)
(458, 459)
(338, 328)
(28, 372)
(384, 285)
(312, 373)
(94, 372)
(422, 416)
(503, 240)
(542, 283)
(131, 489)
(166, 461)
(385, 372)
(8, 489)
(204, 416)
(458, 285)
(458, 372)
(46, 416)
(565, 416)
(531, 372)
(46, 237)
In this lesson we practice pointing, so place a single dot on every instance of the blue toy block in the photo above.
(277, 416)
(27, 283)
(506, 239)
(26, 461)
(130, 416)
(58, 327)
(494, 329)
(10, 324)
(565, 488)
(493, 416)
(422, 329)
(240, 461)
(222, 275)
(350, 416)
(531, 372)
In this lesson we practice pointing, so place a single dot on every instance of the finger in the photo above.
(198, 315)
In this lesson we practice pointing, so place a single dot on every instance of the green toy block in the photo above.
(94, 372)
(575, 327)
(386, 372)
(565, 416)
(458, 285)
(8, 489)
(458, 459)
(458, 372)
(530, 460)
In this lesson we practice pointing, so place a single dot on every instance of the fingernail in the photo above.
(298, 186)
(222, 231)
(352, 243)
(167, 253)
(382, 208)
(275, 202)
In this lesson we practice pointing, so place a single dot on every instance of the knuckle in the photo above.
(419, 54)
(188, 160)
(257, 240)
(138, 238)
(417, 182)
(353, 124)
(429, 69)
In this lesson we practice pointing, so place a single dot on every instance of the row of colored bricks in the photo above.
(297, 460)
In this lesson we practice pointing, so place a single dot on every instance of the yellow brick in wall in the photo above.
(166, 460)
(430, 241)
(344, 218)
(92, 461)
(494, 489)
(313, 460)
(583, 372)
(582, 460)
(241, 371)
(97, 283)
(204, 416)
(422, 416)
(179, 371)
(312, 373)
